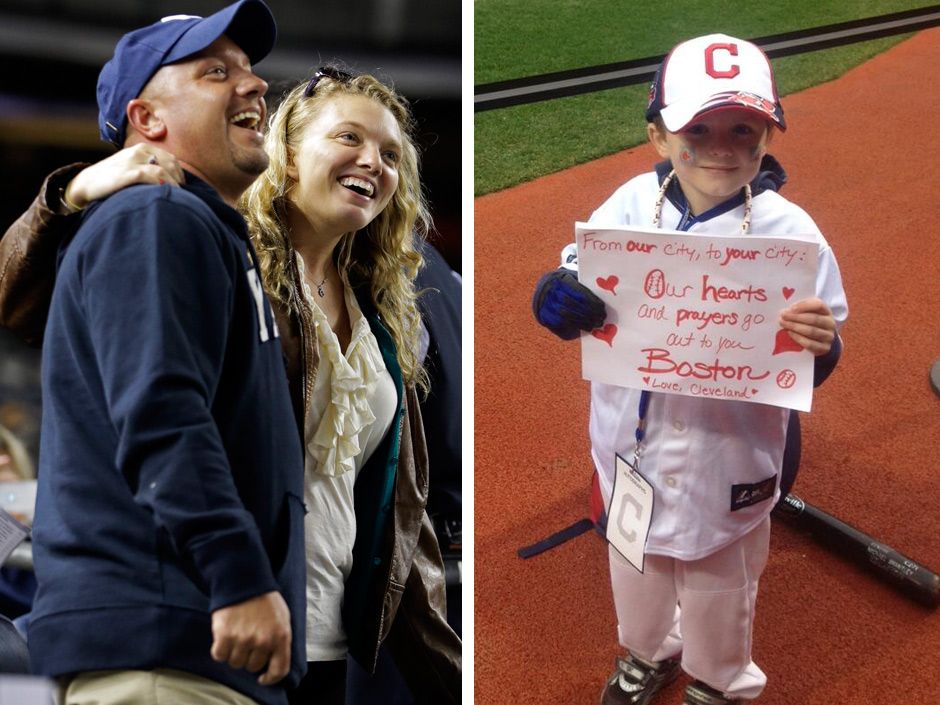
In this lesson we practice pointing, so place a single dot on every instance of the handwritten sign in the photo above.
(698, 314)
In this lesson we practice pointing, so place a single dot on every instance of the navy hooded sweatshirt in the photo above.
(171, 474)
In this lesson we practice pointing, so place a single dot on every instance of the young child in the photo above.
(712, 113)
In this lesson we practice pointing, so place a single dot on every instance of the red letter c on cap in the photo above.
(710, 69)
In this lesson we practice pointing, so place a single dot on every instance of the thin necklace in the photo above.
(326, 273)
(658, 207)
(319, 286)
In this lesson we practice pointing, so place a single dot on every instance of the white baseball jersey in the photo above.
(695, 450)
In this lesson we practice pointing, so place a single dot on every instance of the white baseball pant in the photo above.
(703, 609)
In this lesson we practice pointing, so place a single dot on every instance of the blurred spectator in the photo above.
(17, 585)
(20, 390)
(15, 463)
(440, 304)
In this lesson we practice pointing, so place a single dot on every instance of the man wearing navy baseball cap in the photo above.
(168, 537)
(146, 92)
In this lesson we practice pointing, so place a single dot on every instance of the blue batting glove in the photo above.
(565, 306)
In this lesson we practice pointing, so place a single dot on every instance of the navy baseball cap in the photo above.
(711, 73)
(140, 54)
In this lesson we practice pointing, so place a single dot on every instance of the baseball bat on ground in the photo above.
(918, 581)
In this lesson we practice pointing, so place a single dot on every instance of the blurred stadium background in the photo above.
(51, 52)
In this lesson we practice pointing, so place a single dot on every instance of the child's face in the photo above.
(715, 155)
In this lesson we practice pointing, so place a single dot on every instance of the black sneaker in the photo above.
(697, 693)
(636, 682)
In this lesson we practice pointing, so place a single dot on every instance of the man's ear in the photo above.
(657, 138)
(142, 117)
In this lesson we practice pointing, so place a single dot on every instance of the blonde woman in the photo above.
(334, 220)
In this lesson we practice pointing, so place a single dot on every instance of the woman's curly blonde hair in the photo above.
(382, 255)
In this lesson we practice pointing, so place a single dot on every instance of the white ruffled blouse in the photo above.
(351, 409)
(341, 416)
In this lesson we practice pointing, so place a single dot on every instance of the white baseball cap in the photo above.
(709, 73)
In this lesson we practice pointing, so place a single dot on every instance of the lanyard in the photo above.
(657, 223)
(641, 426)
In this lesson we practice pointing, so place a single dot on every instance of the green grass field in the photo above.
(516, 38)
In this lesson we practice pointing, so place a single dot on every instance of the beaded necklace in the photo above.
(660, 199)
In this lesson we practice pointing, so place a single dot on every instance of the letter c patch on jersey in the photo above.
(714, 71)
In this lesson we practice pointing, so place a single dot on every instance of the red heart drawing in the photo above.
(646, 380)
(610, 283)
(606, 333)
(784, 343)
(788, 292)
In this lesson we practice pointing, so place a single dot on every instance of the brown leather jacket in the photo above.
(405, 597)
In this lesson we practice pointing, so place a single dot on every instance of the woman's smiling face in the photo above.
(346, 166)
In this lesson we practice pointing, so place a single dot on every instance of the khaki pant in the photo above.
(161, 686)
(713, 627)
